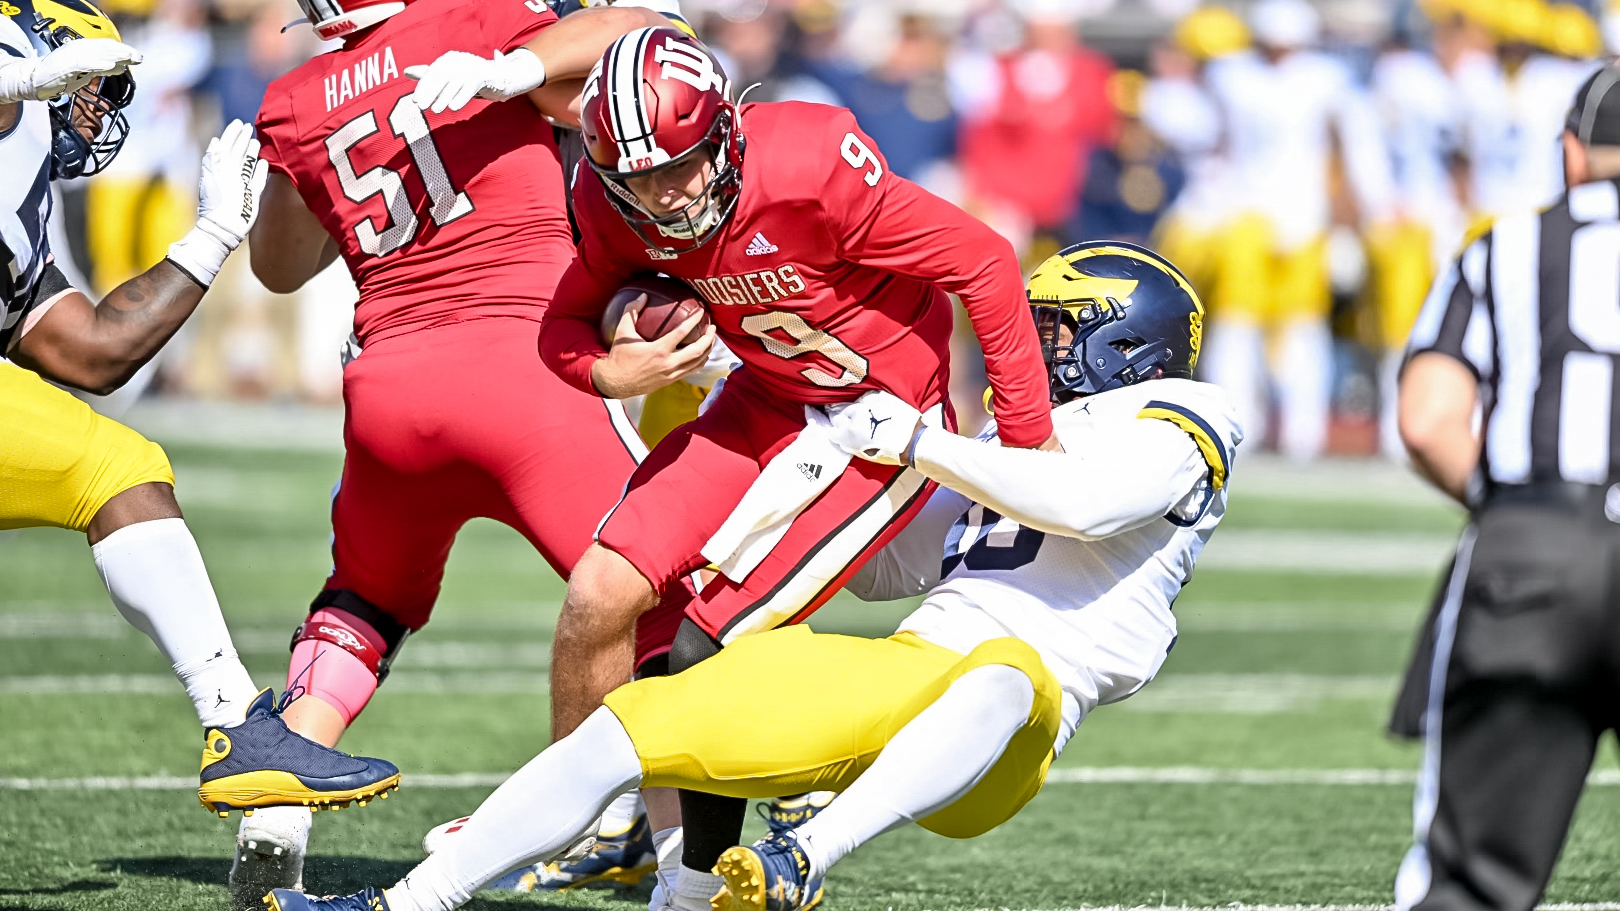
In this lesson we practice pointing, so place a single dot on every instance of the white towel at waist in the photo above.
(789, 483)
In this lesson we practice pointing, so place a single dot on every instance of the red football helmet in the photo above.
(656, 98)
(336, 18)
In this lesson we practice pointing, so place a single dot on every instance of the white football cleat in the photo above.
(270, 849)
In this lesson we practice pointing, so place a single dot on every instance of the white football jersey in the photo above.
(1097, 609)
(25, 196)
(1280, 119)
(1423, 121)
(1513, 124)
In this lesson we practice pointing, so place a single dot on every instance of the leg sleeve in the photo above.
(60, 462)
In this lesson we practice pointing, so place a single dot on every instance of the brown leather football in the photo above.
(669, 302)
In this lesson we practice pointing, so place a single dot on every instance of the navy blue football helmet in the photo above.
(1132, 315)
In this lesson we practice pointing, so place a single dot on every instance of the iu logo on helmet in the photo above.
(689, 65)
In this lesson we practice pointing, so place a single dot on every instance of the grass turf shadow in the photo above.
(322, 875)
(78, 885)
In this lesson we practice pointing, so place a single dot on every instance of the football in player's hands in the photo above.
(669, 303)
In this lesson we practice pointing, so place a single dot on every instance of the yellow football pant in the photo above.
(1194, 250)
(665, 409)
(708, 729)
(130, 223)
(1257, 284)
(60, 462)
(1402, 261)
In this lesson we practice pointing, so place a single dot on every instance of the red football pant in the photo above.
(463, 421)
(684, 491)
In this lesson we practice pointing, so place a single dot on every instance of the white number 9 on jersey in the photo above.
(859, 156)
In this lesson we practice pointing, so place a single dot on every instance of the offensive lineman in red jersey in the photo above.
(454, 226)
(827, 275)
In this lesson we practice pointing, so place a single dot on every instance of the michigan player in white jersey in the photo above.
(1284, 105)
(1513, 109)
(64, 82)
(1421, 114)
(1053, 597)
(1179, 108)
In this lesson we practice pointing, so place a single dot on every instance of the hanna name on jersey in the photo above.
(368, 73)
(766, 286)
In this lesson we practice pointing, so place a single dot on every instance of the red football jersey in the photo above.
(828, 280)
(439, 216)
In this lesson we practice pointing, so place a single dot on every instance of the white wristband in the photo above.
(202, 252)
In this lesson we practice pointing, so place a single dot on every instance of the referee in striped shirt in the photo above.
(1508, 403)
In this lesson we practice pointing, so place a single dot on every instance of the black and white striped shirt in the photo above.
(1533, 308)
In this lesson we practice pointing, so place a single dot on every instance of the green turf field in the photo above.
(1291, 641)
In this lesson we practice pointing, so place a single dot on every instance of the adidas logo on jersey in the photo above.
(810, 470)
(759, 246)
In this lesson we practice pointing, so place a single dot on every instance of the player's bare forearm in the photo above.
(97, 348)
(1438, 395)
(571, 47)
(288, 245)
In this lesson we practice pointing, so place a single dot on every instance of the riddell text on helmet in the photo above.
(747, 289)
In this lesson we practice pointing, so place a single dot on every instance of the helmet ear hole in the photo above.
(1127, 345)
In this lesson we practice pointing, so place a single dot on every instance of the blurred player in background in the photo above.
(1422, 118)
(63, 87)
(1178, 106)
(827, 276)
(1513, 106)
(1053, 598)
(455, 229)
(1284, 104)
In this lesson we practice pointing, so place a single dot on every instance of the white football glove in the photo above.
(233, 176)
(65, 69)
(877, 427)
(452, 80)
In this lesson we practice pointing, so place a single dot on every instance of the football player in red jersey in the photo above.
(454, 226)
(828, 277)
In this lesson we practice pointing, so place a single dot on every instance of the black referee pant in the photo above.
(1512, 686)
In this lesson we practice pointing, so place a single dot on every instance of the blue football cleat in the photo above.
(262, 763)
(368, 899)
(623, 857)
(772, 874)
(784, 814)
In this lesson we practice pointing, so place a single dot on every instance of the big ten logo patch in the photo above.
(766, 286)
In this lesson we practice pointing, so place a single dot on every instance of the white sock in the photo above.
(1305, 390)
(694, 888)
(157, 580)
(286, 825)
(667, 844)
(928, 765)
(541, 810)
(621, 813)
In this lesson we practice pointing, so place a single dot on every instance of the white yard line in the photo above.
(1313, 552)
(414, 682)
(1180, 775)
(519, 670)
